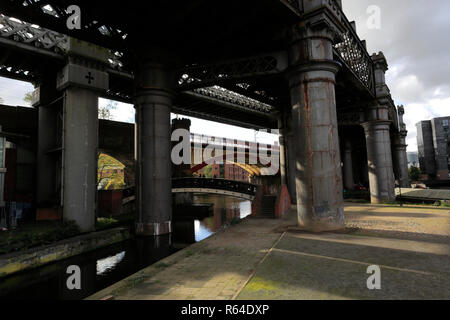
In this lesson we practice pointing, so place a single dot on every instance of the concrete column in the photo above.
(80, 156)
(379, 159)
(349, 183)
(318, 161)
(153, 172)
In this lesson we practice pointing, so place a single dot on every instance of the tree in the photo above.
(104, 112)
(208, 171)
(1, 100)
(28, 97)
(110, 173)
(414, 173)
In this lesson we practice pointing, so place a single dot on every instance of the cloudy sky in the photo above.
(415, 38)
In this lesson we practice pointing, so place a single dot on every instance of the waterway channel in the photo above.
(106, 266)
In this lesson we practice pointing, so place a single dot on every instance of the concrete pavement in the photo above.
(273, 259)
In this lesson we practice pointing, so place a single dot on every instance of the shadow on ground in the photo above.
(324, 267)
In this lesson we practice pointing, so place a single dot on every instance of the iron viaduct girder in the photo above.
(227, 84)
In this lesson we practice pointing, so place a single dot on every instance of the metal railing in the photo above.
(353, 53)
(204, 183)
(217, 184)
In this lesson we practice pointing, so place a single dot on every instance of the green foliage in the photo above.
(208, 171)
(109, 223)
(105, 112)
(28, 97)
(445, 204)
(414, 173)
(108, 176)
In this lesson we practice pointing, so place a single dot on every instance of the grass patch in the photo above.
(113, 222)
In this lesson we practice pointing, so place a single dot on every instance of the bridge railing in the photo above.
(204, 183)
(218, 184)
(353, 53)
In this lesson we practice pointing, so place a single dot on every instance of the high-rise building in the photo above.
(433, 142)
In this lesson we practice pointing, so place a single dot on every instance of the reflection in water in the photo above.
(107, 264)
(104, 267)
(201, 231)
(227, 210)
(99, 269)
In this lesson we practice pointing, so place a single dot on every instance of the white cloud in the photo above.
(12, 92)
(413, 37)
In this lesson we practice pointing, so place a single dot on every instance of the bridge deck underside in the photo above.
(201, 31)
(194, 28)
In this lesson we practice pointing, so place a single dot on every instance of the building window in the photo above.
(445, 123)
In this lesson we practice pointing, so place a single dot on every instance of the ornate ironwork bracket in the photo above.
(37, 38)
(205, 75)
(222, 95)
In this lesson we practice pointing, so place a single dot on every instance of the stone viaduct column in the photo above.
(312, 89)
(379, 159)
(378, 140)
(290, 159)
(45, 98)
(400, 146)
(81, 82)
(349, 183)
(283, 161)
(153, 103)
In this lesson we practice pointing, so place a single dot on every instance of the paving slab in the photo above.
(274, 259)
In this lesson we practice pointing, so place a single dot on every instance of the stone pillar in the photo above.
(312, 90)
(349, 183)
(400, 151)
(81, 82)
(378, 140)
(283, 164)
(402, 165)
(80, 156)
(379, 159)
(290, 172)
(153, 103)
(45, 98)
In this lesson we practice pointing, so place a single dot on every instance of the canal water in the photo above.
(103, 267)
